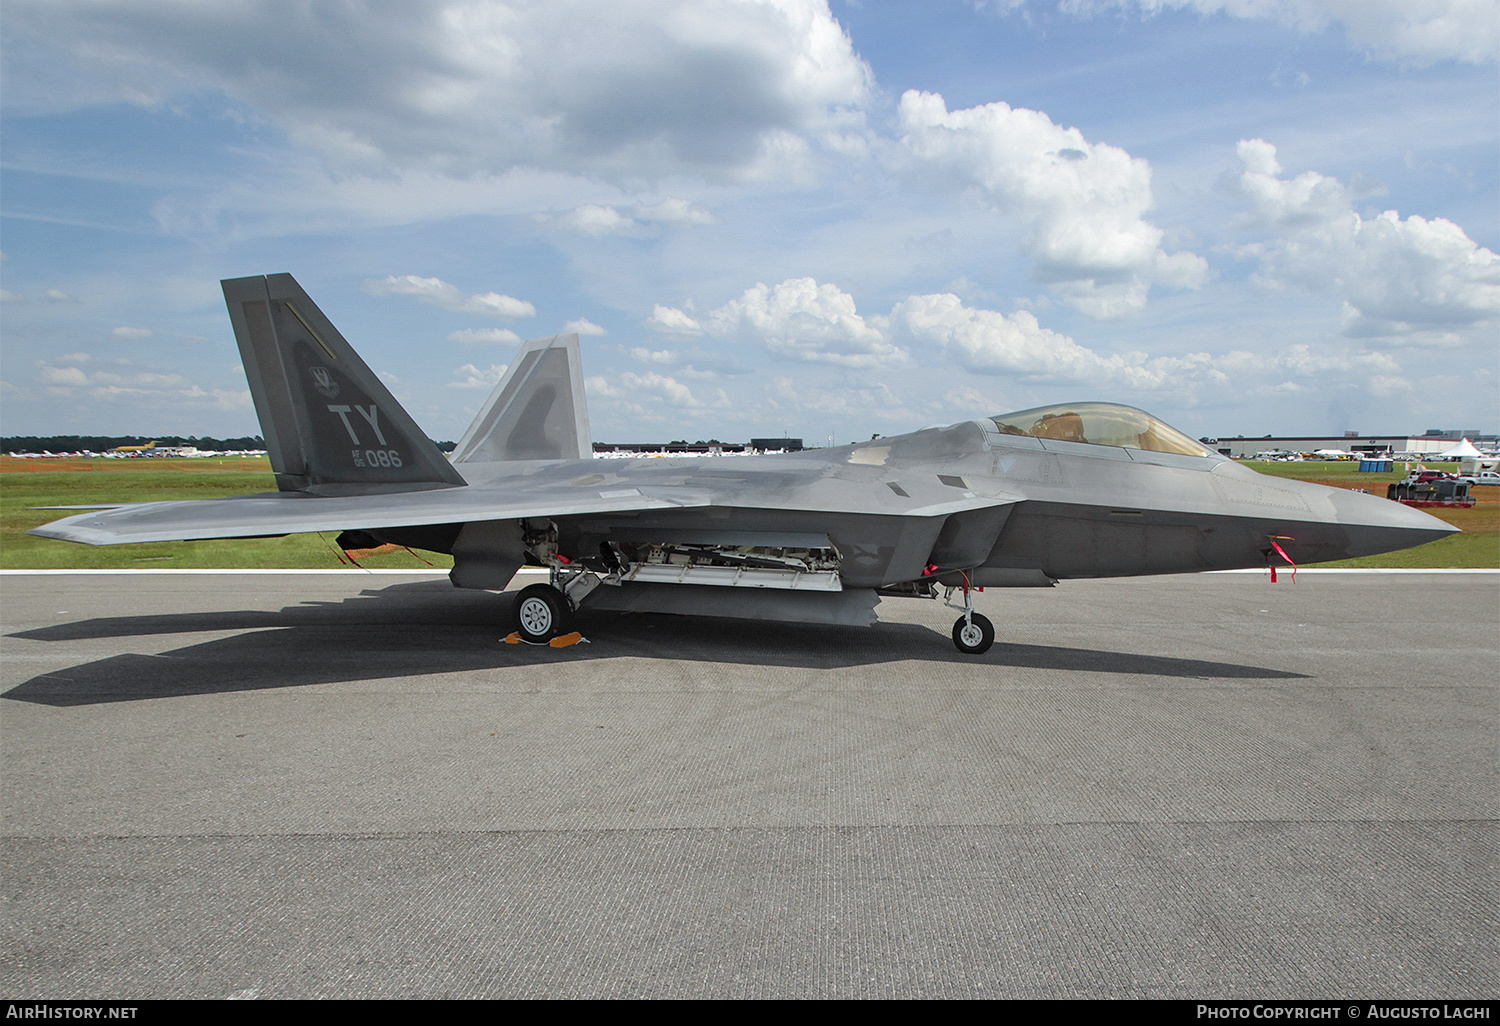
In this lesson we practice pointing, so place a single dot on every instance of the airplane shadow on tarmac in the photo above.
(429, 627)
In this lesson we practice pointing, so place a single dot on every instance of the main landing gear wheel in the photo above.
(973, 634)
(541, 611)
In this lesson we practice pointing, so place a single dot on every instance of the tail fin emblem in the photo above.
(324, 383)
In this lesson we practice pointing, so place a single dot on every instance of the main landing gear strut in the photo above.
(972, 633)
(545, 611)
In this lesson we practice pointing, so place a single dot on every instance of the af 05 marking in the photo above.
(367, 457)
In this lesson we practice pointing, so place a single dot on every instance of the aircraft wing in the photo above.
(278, 513)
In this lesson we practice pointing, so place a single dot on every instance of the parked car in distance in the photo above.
(1482, 477)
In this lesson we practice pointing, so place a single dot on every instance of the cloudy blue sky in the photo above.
(764, 216)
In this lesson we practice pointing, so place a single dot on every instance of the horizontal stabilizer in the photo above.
(536, 412)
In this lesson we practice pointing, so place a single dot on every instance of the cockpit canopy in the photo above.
(1100, 424)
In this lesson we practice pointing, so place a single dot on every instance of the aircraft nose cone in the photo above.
(1375, 524)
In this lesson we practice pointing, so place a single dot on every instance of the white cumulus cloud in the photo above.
(68, 376)
(1082, 204)
(805, 320)
(989, 342)
(598, 220)
(645, 394)
(474, 87)
(583, 326)
(662, 357)
(1413, 278)
(150, 389)
(450, 297)
(471, 376)
(668, 320)
(485, 337)
(497, 305)
(645, 220)
(677, 212)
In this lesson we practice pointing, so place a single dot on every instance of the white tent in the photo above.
(1462, 451)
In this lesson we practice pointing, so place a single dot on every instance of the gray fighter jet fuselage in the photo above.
(1025, 499)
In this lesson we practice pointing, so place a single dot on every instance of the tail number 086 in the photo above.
(376, 457)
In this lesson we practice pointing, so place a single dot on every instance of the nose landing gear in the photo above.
(972, 633)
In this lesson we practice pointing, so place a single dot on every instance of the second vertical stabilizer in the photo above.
(536, 412)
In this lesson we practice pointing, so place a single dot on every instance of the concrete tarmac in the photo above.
(291, 785)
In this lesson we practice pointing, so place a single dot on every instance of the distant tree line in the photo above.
(104, 443)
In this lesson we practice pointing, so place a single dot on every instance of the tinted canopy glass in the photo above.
(1100, 424)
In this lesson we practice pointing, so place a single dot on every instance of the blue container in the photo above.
(1376, 466)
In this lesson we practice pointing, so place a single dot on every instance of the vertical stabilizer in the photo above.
(330, 426)
(536, 412)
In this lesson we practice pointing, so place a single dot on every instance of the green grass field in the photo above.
(29, 483)
(1477, 547)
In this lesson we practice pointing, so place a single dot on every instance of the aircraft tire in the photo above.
(974, 637)
(540, 613)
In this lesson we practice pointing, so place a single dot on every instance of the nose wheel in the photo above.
(973, 634)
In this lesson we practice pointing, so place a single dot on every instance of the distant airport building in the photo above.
(1415, 446)
(708, 448)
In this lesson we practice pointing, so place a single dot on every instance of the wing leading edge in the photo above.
(257, 516)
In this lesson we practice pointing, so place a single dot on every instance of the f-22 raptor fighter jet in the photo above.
(1026, 499)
